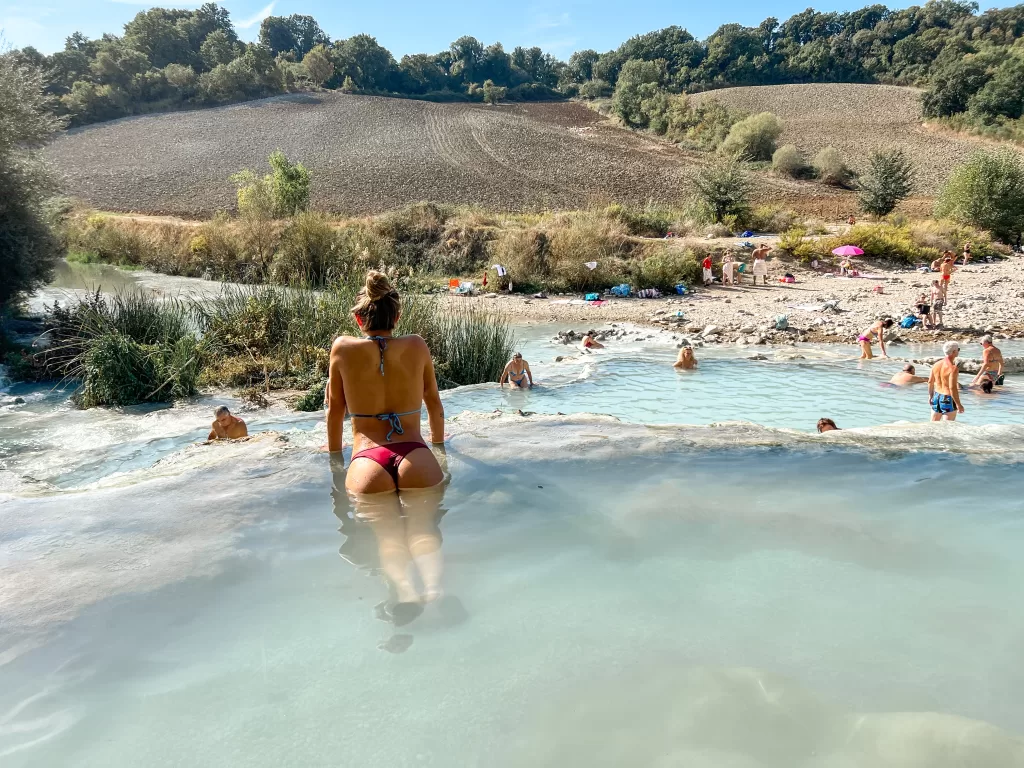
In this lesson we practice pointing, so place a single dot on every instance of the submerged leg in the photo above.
(383, 511)
(422, 509)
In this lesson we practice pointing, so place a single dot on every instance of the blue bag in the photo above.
(592, 296)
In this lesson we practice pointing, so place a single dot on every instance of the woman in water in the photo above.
(383, 381)
(517, 373)
(878, 328)
(686, 361)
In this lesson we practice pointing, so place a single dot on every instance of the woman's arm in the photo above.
(528, 371)
(432, 399)
(335, 402)
(504, 375)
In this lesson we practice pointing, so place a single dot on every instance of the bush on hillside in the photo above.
(663, 266)
(889, 179)
(722, 189)
(582, 238)
(308, 252)
(754, 137)
(830, 167)
(771, 218)
(650, 221)
(789, 161)
(987, 192)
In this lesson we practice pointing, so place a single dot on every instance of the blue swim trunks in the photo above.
(943, 403)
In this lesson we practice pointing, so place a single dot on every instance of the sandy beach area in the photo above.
(983, 298)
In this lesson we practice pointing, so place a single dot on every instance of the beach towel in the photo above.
(591, 265)
(592, 297)
(649, 293)
(622, 290)
(500, 270)
(747, 233)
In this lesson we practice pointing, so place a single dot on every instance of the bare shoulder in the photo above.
(341, 342)
(415, 341)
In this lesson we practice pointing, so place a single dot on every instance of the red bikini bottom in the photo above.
(389, 456)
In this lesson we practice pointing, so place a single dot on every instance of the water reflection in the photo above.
(399, 536)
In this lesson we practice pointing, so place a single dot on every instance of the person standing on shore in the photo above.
(967, 253)
(728, 265)
(706, 267)
(944, 385)
(947, 269)
(938, 303)
(760, 265)
(991, 363)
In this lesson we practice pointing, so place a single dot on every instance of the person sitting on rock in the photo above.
(226, 426)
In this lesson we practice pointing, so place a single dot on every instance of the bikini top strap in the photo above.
(382, 342)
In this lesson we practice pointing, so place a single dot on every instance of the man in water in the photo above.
(826, 425)
(516, 372)
(907, 376)
(991, 363)
(226, 426)
(944, 385)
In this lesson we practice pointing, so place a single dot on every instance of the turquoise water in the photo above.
(617, 590)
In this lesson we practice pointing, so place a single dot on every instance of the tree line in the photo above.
(166, 59)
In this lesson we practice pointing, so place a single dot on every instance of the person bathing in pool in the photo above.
(589, 342)
(686, 361)
(991, 363)
(516, 373)
(383, 381)
(226, 426)
(907, 376)
(944, 385)
(878, 329)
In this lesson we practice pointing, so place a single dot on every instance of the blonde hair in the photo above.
(377, 303)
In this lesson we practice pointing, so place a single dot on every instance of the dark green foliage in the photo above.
(296, 35)
(29, 248)
(987, 192)
(638, 81)
(889, 179)
(722, 189)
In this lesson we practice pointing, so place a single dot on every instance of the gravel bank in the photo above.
(982, 298)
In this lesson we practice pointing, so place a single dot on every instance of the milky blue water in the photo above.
(616, 591)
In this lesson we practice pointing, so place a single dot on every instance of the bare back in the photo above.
(992, 359)
(356, 386)
(943, 378)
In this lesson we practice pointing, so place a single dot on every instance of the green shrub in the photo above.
(649, 221)
(789, 161)
(771, 218)
(662, 266)
(282, 192)
(638, 81)
(889, 179)
(582, 238)
(754, 137)
(595, 89)
(987, 192)
(413, 231)
(879, 240)
(830, 167)
(309, 252)
(722, 188)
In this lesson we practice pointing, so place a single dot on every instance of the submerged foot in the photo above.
(396, 644)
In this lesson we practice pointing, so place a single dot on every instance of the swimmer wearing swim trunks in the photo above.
(947, 269)
(991, 363)
(944, 385)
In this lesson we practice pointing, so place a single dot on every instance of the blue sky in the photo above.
(412, 26)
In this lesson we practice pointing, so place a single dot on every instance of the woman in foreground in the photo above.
(395, 480)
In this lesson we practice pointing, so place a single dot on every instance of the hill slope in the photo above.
(856, 120)
(369, 154)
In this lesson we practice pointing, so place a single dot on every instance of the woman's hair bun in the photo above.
(377, 285)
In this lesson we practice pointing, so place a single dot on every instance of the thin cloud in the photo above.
(246, 23)
(549, 21)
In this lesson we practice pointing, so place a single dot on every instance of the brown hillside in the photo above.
(856, 120)
(370, 154)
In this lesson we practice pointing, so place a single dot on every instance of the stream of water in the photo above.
(693, 579)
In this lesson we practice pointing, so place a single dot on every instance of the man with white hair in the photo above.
(991, 363)
(944, 385)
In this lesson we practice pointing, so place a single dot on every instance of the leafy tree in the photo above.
(722, 188)
(754, 137)
(219, 48)
(987, 192)
(318, 66)
(493, 93)
(889, 179)
(467, 54)
(296, 34)
(362, 58)
(421, 73)
(580, 68)
(638, 80)
(156, 34)
(29, 249)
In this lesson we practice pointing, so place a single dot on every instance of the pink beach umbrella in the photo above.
(848, 250)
